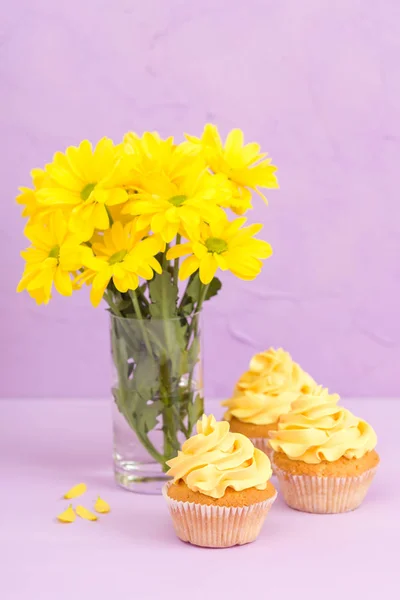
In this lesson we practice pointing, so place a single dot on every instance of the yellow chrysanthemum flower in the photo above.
(27, 197)
(87, 181)
(121, 256)
(54, 254)
(223, 245)
(152, 155)
(117, 215)
(244, 166)
(168, 206)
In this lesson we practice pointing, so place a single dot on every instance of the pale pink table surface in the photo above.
(47, 446)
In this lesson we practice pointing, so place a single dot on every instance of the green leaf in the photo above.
(147, 419)
(146, 377)
(187, 308)
(193, 353)
(193, 292)
(193, 289)
(126, 401)
(166, 331)
(123, 305)
(146, 383)
(119, 353)
(126, 342)
(118, 399)
(167, 338)
(163, 294)
(213, 288)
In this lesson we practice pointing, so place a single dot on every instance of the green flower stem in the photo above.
(191, 374)
(114, 309)
(144, 440)
(194, 324)
(121, 378)
(169, 429)
(176, 261)
(182, 425)
(111, 304)
(159, 376)
(143, 298)
(184, 295)
(171, 444)
(164, 310)
(139, 316)
(203, 294)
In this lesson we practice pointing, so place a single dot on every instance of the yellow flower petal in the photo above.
(169, 232)
(199, 250)
(178, 251)
(188, 266)
(101, 219)
(221, 261)
(62, 282)
(76, 491)
(158, 223)
(68, 516)
(84, 513)
(234, 147)
(117, 235)
(96, 296)
(208, 268)
(101, 506)
(155, 265)
(102, 278)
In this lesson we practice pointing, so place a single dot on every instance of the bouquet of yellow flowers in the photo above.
(132, 220)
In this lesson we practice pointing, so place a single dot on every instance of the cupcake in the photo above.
(220, 493)
(264, 393)
(324, 456)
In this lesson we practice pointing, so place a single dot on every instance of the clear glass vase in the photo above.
(158, 395)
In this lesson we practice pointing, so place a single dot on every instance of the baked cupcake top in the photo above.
(268, 388)
(317, 429)
(216, 459)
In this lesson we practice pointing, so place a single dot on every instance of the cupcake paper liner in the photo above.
(217, 526)
(324, 494)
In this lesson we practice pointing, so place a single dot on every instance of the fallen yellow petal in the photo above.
(84, 513)
(68, 516)
(101, 506)
(76, 491)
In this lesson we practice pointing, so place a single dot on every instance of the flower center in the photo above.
(54, 252)
(177, 200)
(217, 245)
(117, 257)
(87, 190)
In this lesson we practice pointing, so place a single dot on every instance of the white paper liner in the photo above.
(310, 493)
(217, 526)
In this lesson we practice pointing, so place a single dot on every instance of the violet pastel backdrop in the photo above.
(317, 82)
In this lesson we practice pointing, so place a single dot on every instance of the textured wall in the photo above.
(316, 82)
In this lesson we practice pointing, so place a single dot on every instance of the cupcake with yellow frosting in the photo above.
(220, 493)
(264, 393)
(324, 456)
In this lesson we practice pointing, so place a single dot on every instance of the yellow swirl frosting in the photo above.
(216, 459)
(318, 429)
(268, 388)
(274, 370)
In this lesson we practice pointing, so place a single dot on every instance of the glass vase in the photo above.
(158, 395)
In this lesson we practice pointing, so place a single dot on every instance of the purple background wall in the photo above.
(316, 82)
